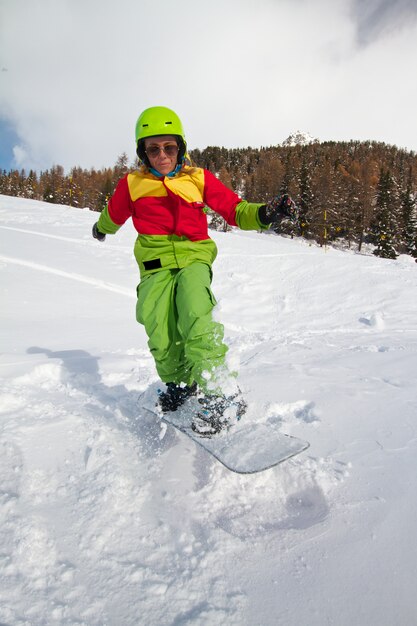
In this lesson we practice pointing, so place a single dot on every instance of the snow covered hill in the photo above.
(299, 138)
(107, 520)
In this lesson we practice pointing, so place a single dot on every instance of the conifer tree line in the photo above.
(355, 192)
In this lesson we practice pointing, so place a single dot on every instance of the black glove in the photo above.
(97, 234)
(281, 207)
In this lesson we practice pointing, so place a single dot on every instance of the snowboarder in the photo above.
(167, 199)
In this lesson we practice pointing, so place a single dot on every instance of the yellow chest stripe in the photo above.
(188, 184)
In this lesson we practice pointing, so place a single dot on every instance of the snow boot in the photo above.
(218, 413)
(175, 396)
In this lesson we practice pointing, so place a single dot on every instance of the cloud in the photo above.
(20, 156)
(238, 74)
(376, 18)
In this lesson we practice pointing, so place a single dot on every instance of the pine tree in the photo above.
(321, 216)
(409, 207)
(31, 184)
(306, 195)
(216, 221)
(121, 168)
(288, 175)
(384, 227)
(52, 182)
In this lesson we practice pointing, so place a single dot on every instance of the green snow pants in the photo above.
(175, 306)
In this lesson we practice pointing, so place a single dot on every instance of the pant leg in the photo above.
(156, 310)
(204, 350)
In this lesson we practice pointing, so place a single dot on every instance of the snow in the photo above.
(299, 138)
(109, 518)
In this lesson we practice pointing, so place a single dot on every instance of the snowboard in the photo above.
(247, 447)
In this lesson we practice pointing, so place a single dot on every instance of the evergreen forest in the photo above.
(348, 192)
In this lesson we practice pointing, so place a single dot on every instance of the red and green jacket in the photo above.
(169, 214)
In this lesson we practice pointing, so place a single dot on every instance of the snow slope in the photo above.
(106, 521)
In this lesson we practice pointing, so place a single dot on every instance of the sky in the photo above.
(76, 74)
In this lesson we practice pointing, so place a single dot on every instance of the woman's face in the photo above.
(158, 158)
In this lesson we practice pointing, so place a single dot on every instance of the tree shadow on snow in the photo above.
(116, 404)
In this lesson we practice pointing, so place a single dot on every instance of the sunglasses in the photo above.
(170, 149)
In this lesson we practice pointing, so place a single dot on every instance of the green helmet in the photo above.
(158, 121)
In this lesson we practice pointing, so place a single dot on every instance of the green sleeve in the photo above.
(247, 216)
(105, 224)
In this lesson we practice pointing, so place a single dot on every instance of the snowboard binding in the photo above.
(175, 396)
(218, 413)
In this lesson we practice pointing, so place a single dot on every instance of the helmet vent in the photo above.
(157, 121)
